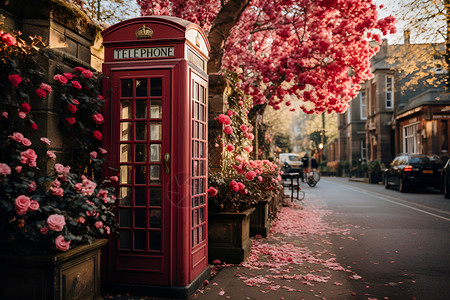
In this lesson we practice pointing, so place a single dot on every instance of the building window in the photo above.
(410, 140)
(389, 97)
(363, 104)
(363, 150)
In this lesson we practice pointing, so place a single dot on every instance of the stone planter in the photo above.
(74, 274)
(260, 219)
(229, 236)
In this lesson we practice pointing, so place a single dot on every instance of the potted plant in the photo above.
(53, 216)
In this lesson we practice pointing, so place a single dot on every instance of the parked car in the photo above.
(291, 163)
(408, 170)
(446, 179)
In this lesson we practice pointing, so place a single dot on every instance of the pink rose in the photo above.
(93, 154)
(98, 118)
(44, 230)
(250, 175)
(32, 186)
(22, 115)
(26, 142)
(87, 73)
(212, 191)
(98, 224)
(108, 230)
(34, 205)
(241, 185)
(41, 93)
(75, 101)
(78, 186)
(5, 169)
(18, 169)
(51, 155)
(76, 85)
(56, 222)
(5, 114)
(71, 120)
(228, 130)
(79, 69)
(45, 140)
(81, 220)
(68, 75)
(230, 147)
(234, 185)
(114, 178)
(60, 169)
(15, 79)
(97, 135)
(260, 178)
(62, 244)
(102, 151)
(229, 113)
(59, 78)
(244, 128)
(17, 136)
(28, 157)
(99, 97)
(46, 87)
(21, 204)
(71, 108)
(9, 40)
(223, 119)
(248, 149)
(250, 136)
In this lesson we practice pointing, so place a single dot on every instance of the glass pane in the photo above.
(125, 109)
(202, 215)
(141, 109)
(201, 150)
(195, 91)
(125, 195)
(140, 240)
(202, 113)
(155, 196)
(155, 218)
(195, 149)
(126, 88)
(140, 174)
(155, 152)
(196, 217)
(125, 153)
(125, 217)
(140, 217)
(141, 131)
(195, 167)
(156, 87)
(140, 152)
(195, 130)
(201, 95)
(140, 194)
(155, 131)
(125, 174)
(154, 175)
(125, 131)
(201, 167)
(141, 87)
(196, 109)
(155, 240)
(125, 239)
(155, 109)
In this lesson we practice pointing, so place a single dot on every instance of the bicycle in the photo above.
(313, 178)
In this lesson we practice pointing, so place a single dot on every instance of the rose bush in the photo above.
(72, 204)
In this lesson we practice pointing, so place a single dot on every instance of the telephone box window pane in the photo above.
(140, 240)
(196, 217)
(140, 218)
(140, 152)
(155, 109)
(141, 131)
(141, 109)
(154, 175)
(195, 149)
(201, 94)
(155, 196)
(156, 87)
(196, 91)
(155, 218)
(195, 167)
(126, 88)
(195, 130)
(155, 131)
(201, 167)
(141, 87)
(200, 150)
(125, 174)
(125, 217)
(155, 152)
(125, 153)
(125, 131)
(202, 215)
(140, 174)
(202, 113)
(155, 240)
(126, 109)
(196, 110)
(140, 198)
(125, 195)
(125, 239)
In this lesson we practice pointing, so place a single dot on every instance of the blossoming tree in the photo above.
(306, 54)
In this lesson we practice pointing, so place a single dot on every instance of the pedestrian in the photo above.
(314, 164)
(305, 161)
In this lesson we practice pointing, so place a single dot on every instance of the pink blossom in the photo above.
(26, 107)
(102, 151)
(5, 114)
(89, 213)
(69, 76)
(98, 118)
(260, 179)
(99, 97)
(81, 220)
(248, 149)
(78, 186)
(9, 40)
(98, 224)
(229, 113)
(107, 229)
(34, 205)
(244, 128)
(33, 125)
(18, 169)
(28, 157)
(71, 120)
(97, 135)
(230, 147)
(32, 186)
(234, 185)
(114, 178)
(56, 222)
(15, 79)
(223, 119)
(61, 79)
(241, 185)
(51, 154)
(45, 140)
(17, 136)
(57, 191)
(22, 203)
(88, 186)
(26, 142)
(228, 130)
(5, 169)
(44, 230)
(41, 93)
(22, 115)
(60, 169)
(250, 136)
(62, 244)
(75, 101)
(87, 73)
(78, 69)
(76, 85)
(93, 154)
(250, 175)
(46, 87)
(71, 108)
(212, 191)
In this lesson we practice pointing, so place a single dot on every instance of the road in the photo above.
(400, 243)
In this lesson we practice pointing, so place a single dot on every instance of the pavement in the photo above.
(296, 261)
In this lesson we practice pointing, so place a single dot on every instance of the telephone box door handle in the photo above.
(167, 162)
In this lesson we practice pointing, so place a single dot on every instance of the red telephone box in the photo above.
(155, 78)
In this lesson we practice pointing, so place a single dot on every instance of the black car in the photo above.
(408, 170)
(446, 179)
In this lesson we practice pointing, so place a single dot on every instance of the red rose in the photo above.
(97, 135)
(70, 120)
(41, 93)
(9, 40)
(87, 73)
(80, 69)
(212, 191)
(15, 79)
(34, 126)
(71, 108)
(76, 85)
(26, 107)
(98, 118)
(68, 75)
(100, 97)
(61, 79)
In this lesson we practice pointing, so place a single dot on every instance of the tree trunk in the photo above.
(227, 17)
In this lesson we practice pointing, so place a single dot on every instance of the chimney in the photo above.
(407, 36)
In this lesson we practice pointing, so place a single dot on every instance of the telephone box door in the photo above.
(141, 123)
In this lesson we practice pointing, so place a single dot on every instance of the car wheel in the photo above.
(386, 182)
(446, 187)
(402, 187)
